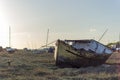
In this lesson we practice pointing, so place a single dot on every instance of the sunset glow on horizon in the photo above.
(66, 19)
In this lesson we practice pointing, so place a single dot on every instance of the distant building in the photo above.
(118, 47)
(115, 46)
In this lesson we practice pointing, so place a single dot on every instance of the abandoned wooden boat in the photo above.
(80, 53)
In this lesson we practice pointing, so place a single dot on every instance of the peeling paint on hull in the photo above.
(67, 56)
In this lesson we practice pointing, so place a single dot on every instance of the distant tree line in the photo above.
(113, 43)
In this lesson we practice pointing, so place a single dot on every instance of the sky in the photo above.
(66, 19)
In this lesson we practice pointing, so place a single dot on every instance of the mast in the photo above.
(103, 34)
(119, 40)
(47, 37)
(119, 37)
(9, 36)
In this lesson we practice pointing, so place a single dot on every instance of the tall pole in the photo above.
(103, 34)
(9, 36)
(47, 37)
(119, 37)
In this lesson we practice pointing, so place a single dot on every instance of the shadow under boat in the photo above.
(80, 53)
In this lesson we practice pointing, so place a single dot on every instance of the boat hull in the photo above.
(67, 56)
